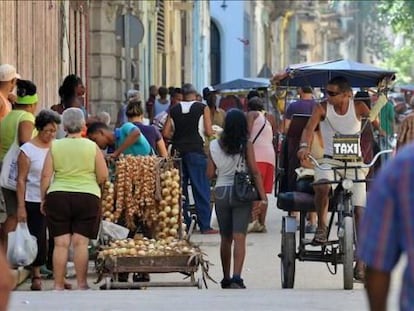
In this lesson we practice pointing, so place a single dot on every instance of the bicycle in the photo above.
(334, 251)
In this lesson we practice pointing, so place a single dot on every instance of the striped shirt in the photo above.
(387, 228)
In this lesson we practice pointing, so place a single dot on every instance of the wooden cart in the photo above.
(110, 267)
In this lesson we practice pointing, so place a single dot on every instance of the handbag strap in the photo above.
(242, 156)
(261, 130)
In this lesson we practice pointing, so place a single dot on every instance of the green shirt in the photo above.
(74, 166)
(387, 118)
(9, 126)
(140, 147)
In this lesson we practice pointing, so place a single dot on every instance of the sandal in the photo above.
(36, 283)
(359, 275)
(321, 235)
(67, 286)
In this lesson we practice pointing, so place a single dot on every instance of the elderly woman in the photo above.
(17, 126)
(71, 201)
(30, 163)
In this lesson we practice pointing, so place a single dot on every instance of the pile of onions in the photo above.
(135, 187)
(147, 247)
(107, 201)
(149, 188)
(168, 221)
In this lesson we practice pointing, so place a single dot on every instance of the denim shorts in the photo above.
(232, 216)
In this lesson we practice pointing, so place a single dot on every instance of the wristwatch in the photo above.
(264, 202)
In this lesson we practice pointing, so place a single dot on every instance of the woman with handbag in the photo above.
(227, 153)
(30, 163)
(15, 130)
(262, 128)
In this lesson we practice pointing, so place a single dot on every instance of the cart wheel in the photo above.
(348, 252)
(287, 256)
(108, 282)
(199, 283)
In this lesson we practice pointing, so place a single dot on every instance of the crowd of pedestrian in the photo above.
(60, 165)
(61, 162)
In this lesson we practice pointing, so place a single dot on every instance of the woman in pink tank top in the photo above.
(262, 129)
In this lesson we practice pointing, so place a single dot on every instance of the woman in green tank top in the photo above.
(17, 125)
(71, 201)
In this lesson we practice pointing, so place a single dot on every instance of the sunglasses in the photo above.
(332, 94)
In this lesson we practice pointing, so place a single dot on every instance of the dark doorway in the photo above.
(215, 54)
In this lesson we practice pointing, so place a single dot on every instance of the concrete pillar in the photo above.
(105, 86)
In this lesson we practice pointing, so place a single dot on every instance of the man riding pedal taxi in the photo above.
(339, 114)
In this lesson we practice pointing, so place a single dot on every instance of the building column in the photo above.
(105, 87)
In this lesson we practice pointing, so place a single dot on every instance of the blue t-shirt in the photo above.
(151, 133)
(301, 106)
(140, 147)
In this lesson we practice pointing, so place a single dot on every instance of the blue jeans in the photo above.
(385, 143)
(194, 170)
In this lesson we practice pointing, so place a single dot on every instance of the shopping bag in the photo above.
(113, 231)
(22, 246)
(8, 175)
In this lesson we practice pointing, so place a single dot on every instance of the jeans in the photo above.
(194, 170)
(386, 142)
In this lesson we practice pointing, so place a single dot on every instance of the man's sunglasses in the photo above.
(332, 94)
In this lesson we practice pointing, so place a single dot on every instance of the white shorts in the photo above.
(359, 190)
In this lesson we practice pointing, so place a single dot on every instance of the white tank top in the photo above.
(347, 124)
(225, 163)
(36, 157)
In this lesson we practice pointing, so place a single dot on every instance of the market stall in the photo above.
(146, 190)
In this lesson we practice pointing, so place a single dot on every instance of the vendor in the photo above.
(128, 139)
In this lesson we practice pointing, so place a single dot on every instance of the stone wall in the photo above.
(30, 33)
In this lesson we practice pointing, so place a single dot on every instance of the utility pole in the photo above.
(127, 50)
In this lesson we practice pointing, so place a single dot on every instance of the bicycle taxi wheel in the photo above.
(288, 254)
(347, 248)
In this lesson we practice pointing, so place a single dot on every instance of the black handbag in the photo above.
(244, 189)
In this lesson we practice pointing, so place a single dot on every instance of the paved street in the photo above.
(315, 287)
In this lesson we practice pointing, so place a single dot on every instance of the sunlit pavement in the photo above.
(315, 287)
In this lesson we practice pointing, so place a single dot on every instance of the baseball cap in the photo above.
(207, 90)
(8, 73)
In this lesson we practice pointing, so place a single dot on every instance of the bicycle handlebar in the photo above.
(352, 166)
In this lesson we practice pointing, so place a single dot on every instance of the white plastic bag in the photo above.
(22, 246)
(8, 175)
(112, 230)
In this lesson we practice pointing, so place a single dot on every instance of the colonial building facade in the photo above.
(203, 42)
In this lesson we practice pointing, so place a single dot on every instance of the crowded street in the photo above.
(206, 154)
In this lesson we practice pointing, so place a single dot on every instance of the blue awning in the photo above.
(319, 73)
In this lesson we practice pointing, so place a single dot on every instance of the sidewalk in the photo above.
(315, 288)
(190, 299)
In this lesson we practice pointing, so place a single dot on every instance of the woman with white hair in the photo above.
(71, 201)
